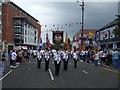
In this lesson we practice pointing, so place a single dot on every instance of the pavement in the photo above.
(84, 76)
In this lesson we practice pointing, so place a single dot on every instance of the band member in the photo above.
(57, 63)
(75, 57)
(65, 60)
(47, 57)
(39, 58)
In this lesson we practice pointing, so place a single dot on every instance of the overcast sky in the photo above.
(55, 12)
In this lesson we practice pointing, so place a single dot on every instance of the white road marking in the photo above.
(51, 75)
(6, 75)
(85, 72)
(109, 69)
(17, 66)
(106, 68)
(70, 63)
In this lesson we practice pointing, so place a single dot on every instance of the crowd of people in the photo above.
(101, 57)
(15, 57)
(58, 56)
(98, 57)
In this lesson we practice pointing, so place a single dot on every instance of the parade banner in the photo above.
(57, 37)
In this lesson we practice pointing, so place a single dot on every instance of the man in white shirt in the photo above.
(57, 62)
(100, 56)
(75, 57)
(13, 57)
(65, 60)
(47, 57)
(39, 58)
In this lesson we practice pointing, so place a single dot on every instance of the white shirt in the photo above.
(75, 56)
(39, 55)
(57, 57)
(13, 56)
(100, 53)
(97, 56)
(64, 55)
(47, 55)
(104, 55)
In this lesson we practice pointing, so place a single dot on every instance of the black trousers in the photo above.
(38, 63)
(75, 63)
(10, 61)
(46, 64)
(57, 68)
(65, 64)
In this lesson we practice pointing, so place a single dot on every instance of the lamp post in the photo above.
(82, 22)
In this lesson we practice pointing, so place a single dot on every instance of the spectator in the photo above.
(115, 56)
(104, 57)
(10, 58)
(96, 57)
(19, 55)
(100, 56)
(13, 57)
(3, 57)
(109, 58)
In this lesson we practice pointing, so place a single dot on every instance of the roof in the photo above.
(22, 10)
(86, 31)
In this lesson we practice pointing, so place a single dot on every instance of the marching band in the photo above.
(58, 56)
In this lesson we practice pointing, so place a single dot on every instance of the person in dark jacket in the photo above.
(109, 59)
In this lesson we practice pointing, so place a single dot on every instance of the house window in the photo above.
(25, 24)
(25, 32)
(25, 39)
(28, 32)
(28, 26)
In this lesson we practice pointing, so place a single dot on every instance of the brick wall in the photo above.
(7, 15)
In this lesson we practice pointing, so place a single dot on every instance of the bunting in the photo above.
(62, 26)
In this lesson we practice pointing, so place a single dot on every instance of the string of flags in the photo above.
(61, 26)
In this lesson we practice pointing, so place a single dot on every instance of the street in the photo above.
(84, 76)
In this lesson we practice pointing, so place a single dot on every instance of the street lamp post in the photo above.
(82, 22)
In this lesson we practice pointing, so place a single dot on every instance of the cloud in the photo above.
(66, 0)
(97, 14)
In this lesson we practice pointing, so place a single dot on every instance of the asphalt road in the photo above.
(84, 76)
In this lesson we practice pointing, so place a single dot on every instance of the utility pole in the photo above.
(82, 23)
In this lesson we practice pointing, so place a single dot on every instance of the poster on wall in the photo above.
(57, 37)
(111, 32)
(97, 36)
